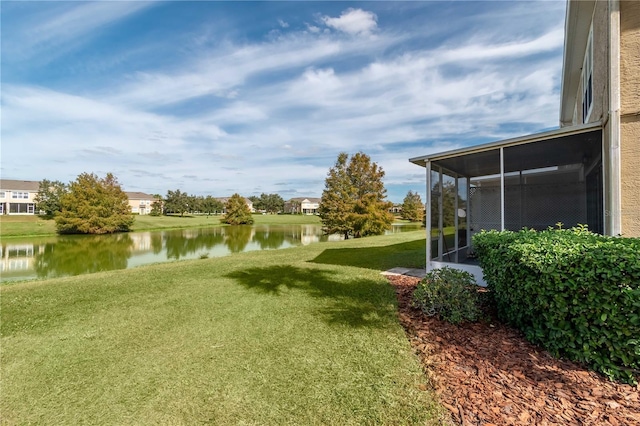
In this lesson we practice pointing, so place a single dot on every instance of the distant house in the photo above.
(224, 200)
(585, 172)
(139, 202)
(17, 196)
(396, 209)
(302, 205)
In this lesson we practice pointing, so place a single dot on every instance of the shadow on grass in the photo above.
(356, 303)
(410, 255)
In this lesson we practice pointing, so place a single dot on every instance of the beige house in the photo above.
(224, 200)
(302, 205)
(16, 196)
(585, 172)
(139, 202)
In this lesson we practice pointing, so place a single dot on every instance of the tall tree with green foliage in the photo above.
(238, 212)
(412, 207)
(353, 201)
(176, 202)
(94, 205)
(271, 203)
(211, 205)
(48, 197)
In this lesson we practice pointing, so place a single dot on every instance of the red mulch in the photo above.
(488, 374)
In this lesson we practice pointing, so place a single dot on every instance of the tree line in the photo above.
(353, 202)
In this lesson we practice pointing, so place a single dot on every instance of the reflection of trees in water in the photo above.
(182, 243)
(156, 242)
(237, 237)
(269, 240)
(83, 254)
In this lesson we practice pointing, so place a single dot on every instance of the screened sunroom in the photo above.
(535, 181)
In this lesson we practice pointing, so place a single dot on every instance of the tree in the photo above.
(156, 206)
(238, 212)
(94, 206)
(353, 201)
(271, 203)
(448, 204)
(176, 202)
(48, 197)
(211, 205)
(412, 207)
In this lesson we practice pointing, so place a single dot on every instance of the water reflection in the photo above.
(78, 254)
(75, 255)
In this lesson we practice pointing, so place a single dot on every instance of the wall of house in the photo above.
(26, 205)
(630, 116)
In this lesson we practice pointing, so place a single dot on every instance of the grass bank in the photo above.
(297, 336)
(33, 226)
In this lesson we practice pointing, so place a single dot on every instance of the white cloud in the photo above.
(353, 21)
(249, 132)
(60, 27)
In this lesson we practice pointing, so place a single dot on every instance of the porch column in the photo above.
(501, 188)
(428, 215)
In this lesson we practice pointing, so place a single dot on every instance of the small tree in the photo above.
(156, 206)
(238, 212)
(48, 197)
(353, 201)
(412, 207)
(94, 206)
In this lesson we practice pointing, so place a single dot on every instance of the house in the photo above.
(17, 196)
(139, 202)
(585, 172)
(224, 200)
(302, 205)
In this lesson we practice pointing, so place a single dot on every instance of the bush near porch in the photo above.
(574, 292)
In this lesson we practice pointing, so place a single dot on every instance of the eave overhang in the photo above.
(536, 137)
(576, 29)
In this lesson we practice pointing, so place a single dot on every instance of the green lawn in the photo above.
(302, 336)
(31, 226)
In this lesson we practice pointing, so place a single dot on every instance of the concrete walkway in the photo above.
(418, 273)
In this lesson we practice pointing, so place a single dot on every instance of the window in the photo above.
(20, 195)
(2, 194)
(587, 79)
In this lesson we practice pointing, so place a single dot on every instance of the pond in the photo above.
(39, 258)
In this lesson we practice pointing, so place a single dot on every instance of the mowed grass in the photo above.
(307, 335)
(25, 226)
(32, 226)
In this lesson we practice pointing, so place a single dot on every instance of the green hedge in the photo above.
(573, 292)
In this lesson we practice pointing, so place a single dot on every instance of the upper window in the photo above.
(20, 195)
(2, 194)
(587, 79)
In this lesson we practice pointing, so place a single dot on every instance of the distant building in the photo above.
(224, 200)
(139, 202)
(304, 205)
(17, 196)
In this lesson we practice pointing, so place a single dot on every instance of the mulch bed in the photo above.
(488, 374)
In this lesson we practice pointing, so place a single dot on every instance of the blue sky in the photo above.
(214, 98)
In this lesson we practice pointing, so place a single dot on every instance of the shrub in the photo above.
(574, 292)
(449, 293)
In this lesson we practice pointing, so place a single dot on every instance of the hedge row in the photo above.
(573, 292)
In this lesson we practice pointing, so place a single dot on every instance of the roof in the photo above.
(301, 199)
(481, 160)
(19, 185)
(139, 196)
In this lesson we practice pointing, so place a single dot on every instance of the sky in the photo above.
(215, 98)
